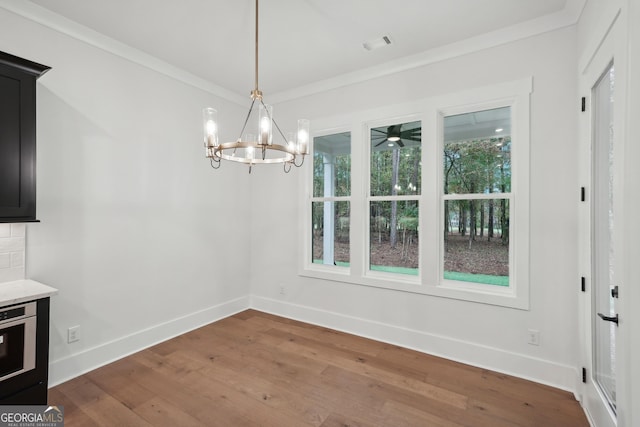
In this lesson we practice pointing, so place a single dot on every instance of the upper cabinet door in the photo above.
(18, 138)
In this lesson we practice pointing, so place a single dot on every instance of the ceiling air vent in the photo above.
(377, 43)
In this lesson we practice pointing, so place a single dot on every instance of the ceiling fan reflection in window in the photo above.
(395, 135)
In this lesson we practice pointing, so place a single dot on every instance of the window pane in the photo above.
(330, 233)
(394, 236)
(477, 152)
(476, 241)
(332, 165)
(396, 159)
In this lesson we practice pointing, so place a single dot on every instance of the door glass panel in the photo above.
(603, 224)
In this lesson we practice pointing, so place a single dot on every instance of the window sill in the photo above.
(470, 292)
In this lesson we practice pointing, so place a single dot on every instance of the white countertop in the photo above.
(23, 290)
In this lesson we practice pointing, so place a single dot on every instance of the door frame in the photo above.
(609, 47)
(629, 415)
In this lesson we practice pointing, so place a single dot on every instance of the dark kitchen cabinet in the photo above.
(18, 137)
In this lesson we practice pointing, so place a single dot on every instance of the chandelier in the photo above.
(257, 146)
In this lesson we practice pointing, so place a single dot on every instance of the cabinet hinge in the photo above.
(583, 284)
(583, 194)
(583, 106)
(584, 375)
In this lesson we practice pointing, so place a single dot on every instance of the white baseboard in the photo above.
(541, 371)
(69, 367)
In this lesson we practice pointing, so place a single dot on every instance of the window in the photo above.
(330, 210)
(395, 186)
(476, 174)
(432, 197)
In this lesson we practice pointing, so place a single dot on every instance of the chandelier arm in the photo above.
(280, 131)
(287, 170)
(301, 163)
(274, 122)
(246, 120)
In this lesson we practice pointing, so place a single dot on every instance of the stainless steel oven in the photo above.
(17, 340)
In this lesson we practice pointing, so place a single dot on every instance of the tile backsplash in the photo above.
(12, 249)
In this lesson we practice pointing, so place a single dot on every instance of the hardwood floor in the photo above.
(255, 369)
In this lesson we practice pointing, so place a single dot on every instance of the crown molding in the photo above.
(85, 34)
(564, 18)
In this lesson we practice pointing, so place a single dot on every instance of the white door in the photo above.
(602, 85)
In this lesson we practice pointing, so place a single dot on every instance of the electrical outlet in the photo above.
(533, 337)
(73, 334)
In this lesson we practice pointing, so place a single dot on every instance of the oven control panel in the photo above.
(16, 312)
(11, 313)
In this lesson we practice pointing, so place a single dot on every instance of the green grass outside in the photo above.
(397, 270)
(484, 279)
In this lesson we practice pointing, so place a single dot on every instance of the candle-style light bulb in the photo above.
(265, 124)
(210, 123)
(303, 136)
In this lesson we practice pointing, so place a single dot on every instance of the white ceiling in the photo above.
(302, 42)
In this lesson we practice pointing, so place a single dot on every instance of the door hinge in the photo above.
(584, 375)
(583, 107)
(583, 194)
(583, 284)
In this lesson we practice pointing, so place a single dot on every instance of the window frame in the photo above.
(431, 112)
(517, 96)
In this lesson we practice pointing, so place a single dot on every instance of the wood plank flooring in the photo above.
(255, 369)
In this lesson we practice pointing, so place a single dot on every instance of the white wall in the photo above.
(483, 335)
(138, 233)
